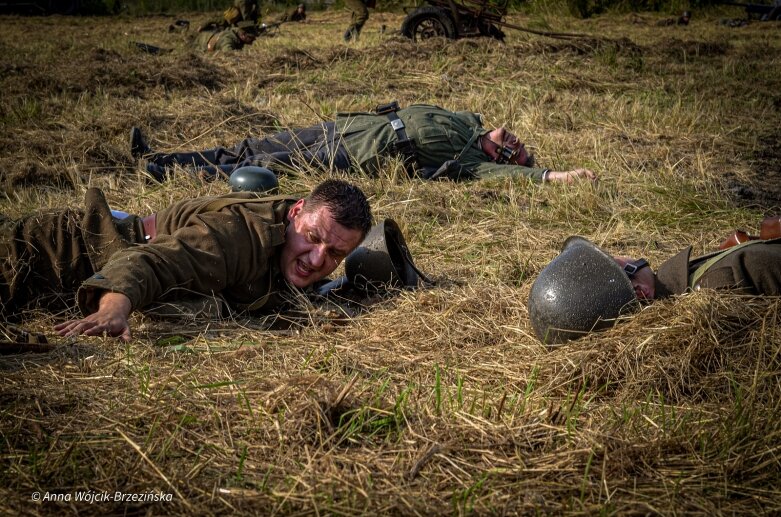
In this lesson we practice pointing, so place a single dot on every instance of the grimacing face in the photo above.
(315, 245)
(644, 280)
(500, 137)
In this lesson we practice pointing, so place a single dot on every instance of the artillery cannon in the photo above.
(454, 19)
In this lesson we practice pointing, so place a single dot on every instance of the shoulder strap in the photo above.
(475, 135)
(705, 266)
(211, 42)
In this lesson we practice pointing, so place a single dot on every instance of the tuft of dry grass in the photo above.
(436, 401)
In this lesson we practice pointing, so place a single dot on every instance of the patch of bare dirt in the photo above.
(580, 46)
(294, 59)
(686, 49)
(124, 74)
(764, 189)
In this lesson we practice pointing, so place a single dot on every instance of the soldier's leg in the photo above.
(218, 155)
(359, 15)
(43, 260)
(287, 141)
(319, 146)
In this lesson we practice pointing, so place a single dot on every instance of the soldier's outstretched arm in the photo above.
(570, 177)
(486, 170)
(110, 318)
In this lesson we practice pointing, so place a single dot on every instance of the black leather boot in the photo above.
(156, 172)
(138, 147)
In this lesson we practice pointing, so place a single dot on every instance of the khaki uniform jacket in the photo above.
(440, 135)
(227, 245)
(755, 269)
(201, 249)
(219, 41)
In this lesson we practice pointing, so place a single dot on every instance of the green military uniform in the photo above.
(439, 135)
(242, 10)
(225, 245)
(360, 140)
(359, 14)
(219, 40)
(752, 268)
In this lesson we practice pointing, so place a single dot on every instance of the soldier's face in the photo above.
(315, 245)
(643, 280)
(499, 138)
(246, 37)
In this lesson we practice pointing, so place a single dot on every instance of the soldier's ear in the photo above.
(296, 209)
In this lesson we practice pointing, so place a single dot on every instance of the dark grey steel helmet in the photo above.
(253, 179)
(382, 260)
(581, 290)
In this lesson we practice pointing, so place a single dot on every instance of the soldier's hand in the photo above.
(570, 177)
(111, 318)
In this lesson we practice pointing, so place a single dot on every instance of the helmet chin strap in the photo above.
(631, 268)
(505, 154)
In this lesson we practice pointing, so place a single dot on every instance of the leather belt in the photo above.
(398, 125)
(150, 226)
(404, 146)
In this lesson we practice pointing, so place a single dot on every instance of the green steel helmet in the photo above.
(581, 290)
(253, 179)
(382, 260)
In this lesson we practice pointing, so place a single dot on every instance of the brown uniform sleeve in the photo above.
(214, 252)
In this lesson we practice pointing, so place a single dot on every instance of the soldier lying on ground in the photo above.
(585, 289)
(249, 251)
(299, 15)
(433, 143)
(232, 38)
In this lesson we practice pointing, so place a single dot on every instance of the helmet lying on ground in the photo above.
(253, 179)
(581, 290)
(382, 260)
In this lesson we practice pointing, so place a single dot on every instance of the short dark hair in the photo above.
(346, 203)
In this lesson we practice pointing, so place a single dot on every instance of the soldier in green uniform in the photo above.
(584, 288)
(242, 10)
(359, 14)
(248, 251)
(232, 38)
(433, 142)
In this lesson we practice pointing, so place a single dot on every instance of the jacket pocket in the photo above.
(432, 134)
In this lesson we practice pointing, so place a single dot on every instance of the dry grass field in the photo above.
(436, 401)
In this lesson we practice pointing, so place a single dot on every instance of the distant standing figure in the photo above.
(299, 15)
(359, 13)
(232, 38)
(242, 10)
